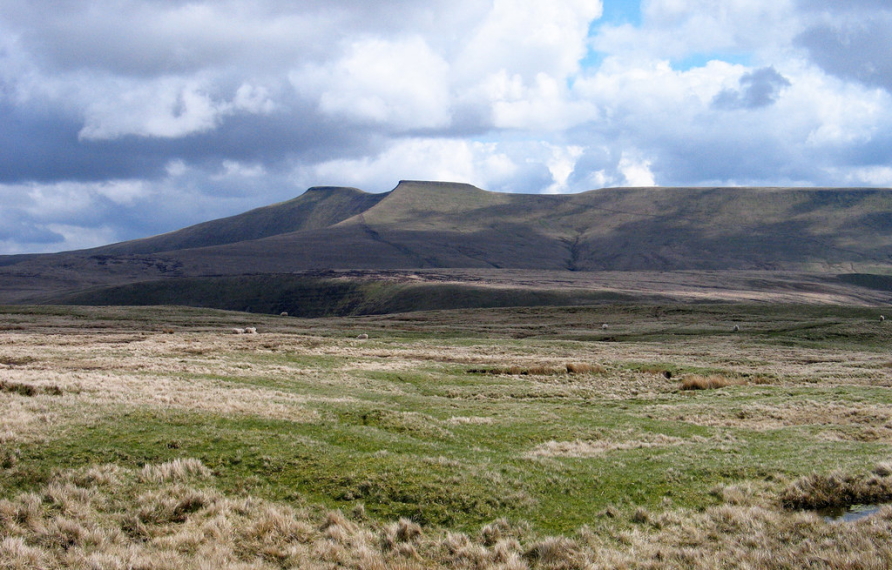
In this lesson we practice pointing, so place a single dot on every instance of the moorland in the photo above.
(678, 436)
(444, 377)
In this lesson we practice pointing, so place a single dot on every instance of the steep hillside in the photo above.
(318, 207)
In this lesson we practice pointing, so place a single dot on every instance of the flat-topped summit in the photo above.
(429, 225)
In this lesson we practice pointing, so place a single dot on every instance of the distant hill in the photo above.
(436, 225)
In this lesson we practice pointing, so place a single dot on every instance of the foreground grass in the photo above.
(445, 421)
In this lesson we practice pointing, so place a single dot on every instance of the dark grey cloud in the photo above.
(16, 226)
(157, 37)
(856, 47)
(758, 88)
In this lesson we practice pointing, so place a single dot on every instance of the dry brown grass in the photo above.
(839, 490)
(585, 368)
(711, 382)
(112, 521)
(591, 448)
(516, 370)
(169, 515)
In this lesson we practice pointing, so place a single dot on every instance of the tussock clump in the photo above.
(640, 516)
(496, 531)
(29, 390)
(400, 533)
(69, 499)
(176, 470)
(555, 553)
(276, 524)
(17, 360)
(16, 555)
(68, 533)
(172, 504)
(837, 490)
(26, 512)
(655, 369)
(96, 476)
(712, 382)
(9, 457)
(584, 368)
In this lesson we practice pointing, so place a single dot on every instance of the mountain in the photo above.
(446, 226)
(319, 207)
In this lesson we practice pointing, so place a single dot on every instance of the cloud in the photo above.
(758, 88)
(402, 84)
(488, 165)
(127, 118)
(853, 46)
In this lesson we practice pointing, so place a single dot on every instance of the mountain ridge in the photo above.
(442, 225)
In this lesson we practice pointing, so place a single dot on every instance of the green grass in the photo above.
(443, 447)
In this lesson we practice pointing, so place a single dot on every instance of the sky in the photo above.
(121, 119)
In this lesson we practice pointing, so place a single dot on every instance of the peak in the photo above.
(434, 185)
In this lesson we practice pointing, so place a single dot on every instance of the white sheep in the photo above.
(238, 331)
(283, 314)
(251, 330)
(363, 336)
(882, 318)
(736, 328)
(605, 326)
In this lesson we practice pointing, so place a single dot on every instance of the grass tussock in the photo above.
(16, 360)
(29, 390)
(429, 466)
(711, 382)
(176, 470)
(126, 522)
(837, 489)
(585, 368)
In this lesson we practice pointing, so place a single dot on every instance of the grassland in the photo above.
(156, 438)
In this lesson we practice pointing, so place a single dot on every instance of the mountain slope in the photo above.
(318, 207)
(435, 225)
(429, 225)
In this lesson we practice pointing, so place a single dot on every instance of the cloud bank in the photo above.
(130, 118)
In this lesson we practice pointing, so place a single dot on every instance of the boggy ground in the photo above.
(517, 438)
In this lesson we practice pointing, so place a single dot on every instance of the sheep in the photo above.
(363, 336)
(736, 328)
(605, 326)
(882, 318)
(238, 331)
(283, 314)
(251, 330)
